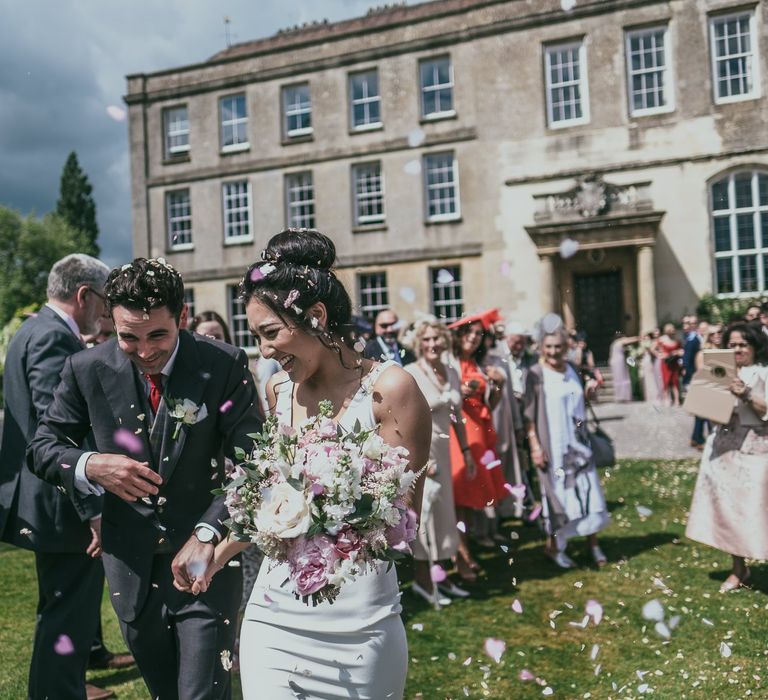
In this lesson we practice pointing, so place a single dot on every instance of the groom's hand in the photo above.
(191, 563)
(123, 476)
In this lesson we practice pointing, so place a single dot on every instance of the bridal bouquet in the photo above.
(327, 501)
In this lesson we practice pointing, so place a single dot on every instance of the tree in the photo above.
(76, 205)
(28, 249)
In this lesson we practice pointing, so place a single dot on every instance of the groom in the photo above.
(158, 466)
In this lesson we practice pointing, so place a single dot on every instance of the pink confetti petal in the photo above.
(488, 456)
(225, 406)
(517, 606)
(518, 490)
(64, 646)
(116, 113)
(494, 648)
(594, 610)
(526, 675)
(66, 466)
(128, 441)
(534, 513)
(437, 573)
(492, 465)
(461, 527)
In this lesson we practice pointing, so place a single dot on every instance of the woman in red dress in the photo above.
(481, 392)
(670, 351)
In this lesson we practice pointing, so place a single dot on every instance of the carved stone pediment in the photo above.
(592, 197)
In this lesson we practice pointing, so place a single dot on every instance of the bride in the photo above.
(356, 647)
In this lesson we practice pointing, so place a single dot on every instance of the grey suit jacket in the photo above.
(35, 514)
(101, 389)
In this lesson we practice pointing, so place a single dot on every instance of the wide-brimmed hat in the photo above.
(487, 318)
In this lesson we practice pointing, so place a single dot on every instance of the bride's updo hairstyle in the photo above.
(296, 273)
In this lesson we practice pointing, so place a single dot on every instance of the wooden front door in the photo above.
(599, 309)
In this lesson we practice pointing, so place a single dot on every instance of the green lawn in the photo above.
(622, 657)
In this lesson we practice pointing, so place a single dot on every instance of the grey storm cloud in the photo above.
(63, 62)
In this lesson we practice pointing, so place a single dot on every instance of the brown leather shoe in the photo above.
(113, 661)
(93, 692)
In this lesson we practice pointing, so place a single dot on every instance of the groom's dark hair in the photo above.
(144, 285)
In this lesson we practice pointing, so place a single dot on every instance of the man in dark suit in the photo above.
(166, 407)
(384, 345)
(34, 514)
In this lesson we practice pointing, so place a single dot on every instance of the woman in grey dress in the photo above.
(438, 536)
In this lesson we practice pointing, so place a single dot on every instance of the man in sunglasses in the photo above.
(384, 345)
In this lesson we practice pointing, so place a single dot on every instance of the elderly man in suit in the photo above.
(166, 408)
(384, 345)
(36, 515)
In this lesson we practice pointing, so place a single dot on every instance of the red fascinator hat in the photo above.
(487, 318)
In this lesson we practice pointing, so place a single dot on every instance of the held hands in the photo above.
(123, 476)
(191, 566)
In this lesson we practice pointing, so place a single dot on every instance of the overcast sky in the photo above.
(64, 62)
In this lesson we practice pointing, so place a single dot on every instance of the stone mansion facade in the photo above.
(605, 159)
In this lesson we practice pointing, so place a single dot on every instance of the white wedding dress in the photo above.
(353, 648)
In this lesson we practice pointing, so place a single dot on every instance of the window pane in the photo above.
(748, 273)
(436, 86)
(720, 195)
(368, 193)
(300, 198)
(179, 218)
(762, 185)
(743, 190)
(724, 270)
(365, 98)
(238, 321)
(447, 294)
(745, 231)
(237, 210)
(733, 55)
(722, 234)
(439, 174)
(374, 294)
(564, 84)
(297, 109)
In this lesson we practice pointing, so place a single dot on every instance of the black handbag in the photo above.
(603, 451)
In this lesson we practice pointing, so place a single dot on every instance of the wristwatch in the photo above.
(205, 535)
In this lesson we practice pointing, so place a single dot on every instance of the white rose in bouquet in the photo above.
(373, 446)
(284, 512)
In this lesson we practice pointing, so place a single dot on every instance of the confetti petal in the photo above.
(437, 573)
(127, 440)
(594, 610)
(64, 646)
(725, 650)
(116, 113)
(226, 406)
(517, 606)
(444, 277)
(495, 648)
(526, 675)
(643, 512)
(517, 491)
(653, 610)
(568, 248)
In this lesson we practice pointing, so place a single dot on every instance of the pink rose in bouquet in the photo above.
(400, 536)
(311, 561)
(348, 542)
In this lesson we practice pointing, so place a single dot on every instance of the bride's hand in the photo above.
(201, 583)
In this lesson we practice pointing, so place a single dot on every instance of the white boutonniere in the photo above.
(185, 412)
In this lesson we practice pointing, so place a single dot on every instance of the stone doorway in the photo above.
(598, 309)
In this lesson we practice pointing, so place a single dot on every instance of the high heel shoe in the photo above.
(733, 582)
(432, 598)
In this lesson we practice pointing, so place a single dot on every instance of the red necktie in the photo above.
(155, 390)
